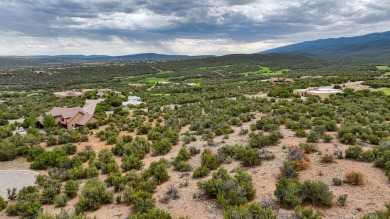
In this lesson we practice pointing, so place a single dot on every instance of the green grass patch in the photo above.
(214, 67)
(382, 67)
(386, 91)
(165, 72)
(161, 95)
(265, 69)
(155, 80)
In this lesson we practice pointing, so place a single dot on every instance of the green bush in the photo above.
(61, 200)
(142, 202)
(228, 190)
(300, 133)
(94, 194)
(348, 138)
(251, 158)
(200, 172)
(308, 147)
(354, 152)
(157, 170)
(71, 188)
(34, 152)
(131, 162)
(288, 192)
(209, 160)
(25, 209)
(305, 213)
(3, 204)
(152, 214)
(317, 192)
(161, 147)
(252, 210)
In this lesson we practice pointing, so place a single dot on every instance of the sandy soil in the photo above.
(369, 198)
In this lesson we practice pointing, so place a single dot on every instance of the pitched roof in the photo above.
(85, 119)
(66, 112)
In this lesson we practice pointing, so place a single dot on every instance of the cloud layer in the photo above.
(117, 27)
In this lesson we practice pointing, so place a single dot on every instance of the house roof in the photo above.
(66, 112)
(85, 119)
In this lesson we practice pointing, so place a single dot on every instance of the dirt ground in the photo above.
(368, 198)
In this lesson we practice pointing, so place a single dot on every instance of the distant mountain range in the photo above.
(10, 62)
(139, 57)
(375, 46)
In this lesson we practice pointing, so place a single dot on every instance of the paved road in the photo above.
(90, 105)
(15, 179)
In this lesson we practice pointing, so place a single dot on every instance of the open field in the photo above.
(383, 67)
(227, 144)
(155, 80)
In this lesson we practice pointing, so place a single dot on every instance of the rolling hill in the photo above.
(375, 46)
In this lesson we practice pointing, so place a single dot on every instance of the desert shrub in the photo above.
(142, 202)
(305, 213)
(161, 147)
(152, 214)
(157, 170)
(342, 199)
(354, 178)
(288, 192)
(193, 150)
(127, 138)
(337, 181)
(209, 160)
(327, 138)
(354, 152)
(229, 190)
(8, 151)
(327, 158)
(25, 209)
(313, 137)
(71, 188)
(111, 167)
(289, 170)
(367, 156)
(348, 138)
(69, 148)
(252, 210)
(317, 193)
(382, 159)
(11, 194)
(131, 162)
(297, 156)
(34, 152)
(61, 200)
(308, 147)
(251, 158)
(300, 133)
(128, 193)
(201, 171)
(94, 194)
(3, 204)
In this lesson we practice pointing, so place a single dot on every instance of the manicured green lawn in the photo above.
(165, 72)
(155, 80)
(265, 69)
(386, 91)
(383, 67)
(161, 94)
(213, 67)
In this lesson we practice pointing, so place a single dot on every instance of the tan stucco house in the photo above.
(69, 118)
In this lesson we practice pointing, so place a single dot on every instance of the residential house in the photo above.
(69, 118)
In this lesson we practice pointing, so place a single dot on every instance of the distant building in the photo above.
(322, 92)
(69, 94)
(69, 118)
(275, 80)
(133, 100)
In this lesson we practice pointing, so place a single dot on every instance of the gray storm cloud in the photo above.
(32, 27)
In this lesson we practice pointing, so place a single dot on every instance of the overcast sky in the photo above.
(193, 27)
